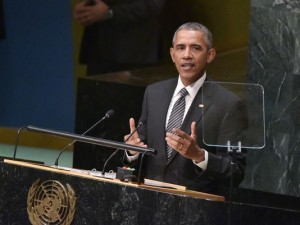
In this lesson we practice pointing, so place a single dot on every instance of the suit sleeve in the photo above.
(143, 118)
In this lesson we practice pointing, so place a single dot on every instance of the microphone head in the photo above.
(110, 113)
(142, 123)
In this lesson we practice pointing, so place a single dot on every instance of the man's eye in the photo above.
(197, 48)
(180, 48)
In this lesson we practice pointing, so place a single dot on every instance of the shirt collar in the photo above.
(192, 88)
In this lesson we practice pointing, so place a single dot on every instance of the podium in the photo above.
(30, 191)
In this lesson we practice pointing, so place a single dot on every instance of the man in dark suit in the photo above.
(192, 163)
(119, 34)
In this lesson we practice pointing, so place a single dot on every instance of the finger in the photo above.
(177, 138)
(180, 137)
(136, 142)
(193, 130)
(170, 142)
(126, 137)
(133, 130)
(140, 143)
(178, 132)
(174, 141)
(132, 152)
(131, 124)
(172, 137)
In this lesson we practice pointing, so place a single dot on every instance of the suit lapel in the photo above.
(163, 105)
(163, 101)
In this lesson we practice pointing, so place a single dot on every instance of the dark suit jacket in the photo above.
(225, 119)
(131, 37)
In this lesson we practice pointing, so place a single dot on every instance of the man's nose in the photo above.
(187, 53)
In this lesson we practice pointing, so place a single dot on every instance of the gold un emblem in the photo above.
(50, 203)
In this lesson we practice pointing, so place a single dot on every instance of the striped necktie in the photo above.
(176, 116)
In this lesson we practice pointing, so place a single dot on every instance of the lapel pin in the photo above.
(201, 105)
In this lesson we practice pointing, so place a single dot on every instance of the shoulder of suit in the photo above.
(164, 83)
(223, 94)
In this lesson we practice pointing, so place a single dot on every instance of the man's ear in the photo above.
(171, 53)
(211, 55)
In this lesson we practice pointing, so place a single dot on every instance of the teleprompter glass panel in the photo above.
(233, 115)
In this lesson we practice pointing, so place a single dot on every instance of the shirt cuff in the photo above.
(131, 158)
(203, 164)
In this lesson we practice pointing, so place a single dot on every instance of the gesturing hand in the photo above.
(134, 139)
(186, 144)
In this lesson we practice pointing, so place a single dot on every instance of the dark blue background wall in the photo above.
(36, 67)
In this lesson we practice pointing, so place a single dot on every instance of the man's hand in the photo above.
(89, 14)
(186, 144)
(134, 139)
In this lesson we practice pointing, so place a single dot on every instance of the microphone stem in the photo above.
(17, 141)
(115, 152)
(64, 149)
(104, 166)
(92, 127)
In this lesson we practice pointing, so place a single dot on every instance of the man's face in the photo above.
(190, 55)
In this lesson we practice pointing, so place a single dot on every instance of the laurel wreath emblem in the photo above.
(51, 203)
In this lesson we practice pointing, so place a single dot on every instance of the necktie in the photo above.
(176, 116)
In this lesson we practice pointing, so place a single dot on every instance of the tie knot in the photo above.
(183, 92)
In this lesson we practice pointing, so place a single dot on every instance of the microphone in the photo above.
(17, 141)
(115, 152)
(110, 113)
